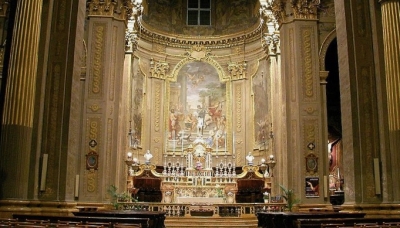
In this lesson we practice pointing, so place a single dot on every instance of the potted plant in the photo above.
(116, 197)
(290, 198)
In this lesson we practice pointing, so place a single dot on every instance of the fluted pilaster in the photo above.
(20, 99)
(391, 36)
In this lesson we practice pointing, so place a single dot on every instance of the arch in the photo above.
(222, 76)
(324, 48)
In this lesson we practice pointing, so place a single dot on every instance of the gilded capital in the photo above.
(158, 69)
(278, 10)
(305, 9)
(271, 43)
(237, 70)
(118, 9)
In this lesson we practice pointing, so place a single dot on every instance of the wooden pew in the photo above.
(318, 222)
(156, 218)
(143, 222)
(288, 219)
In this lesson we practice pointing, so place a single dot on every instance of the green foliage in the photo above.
(290, 197)
(116, 197)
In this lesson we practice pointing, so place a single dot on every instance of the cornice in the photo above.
(150, 34)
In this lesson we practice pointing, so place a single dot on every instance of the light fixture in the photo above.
(271, 164)
(263, 166)
(132, 163)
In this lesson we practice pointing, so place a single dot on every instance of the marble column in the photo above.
(391, 35)
(19, 105)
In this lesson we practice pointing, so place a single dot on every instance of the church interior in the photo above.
(212, 110)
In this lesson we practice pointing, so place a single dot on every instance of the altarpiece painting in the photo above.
(197, 108)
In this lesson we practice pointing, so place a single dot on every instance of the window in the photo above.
(198, 12)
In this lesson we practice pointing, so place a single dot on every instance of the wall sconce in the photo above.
(271, 164)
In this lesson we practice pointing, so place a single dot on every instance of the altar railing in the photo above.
(216, 210)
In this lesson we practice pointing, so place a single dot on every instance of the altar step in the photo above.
(204, 222)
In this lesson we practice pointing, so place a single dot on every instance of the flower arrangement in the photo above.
(198, 166)
(218, 190)
(266, 195)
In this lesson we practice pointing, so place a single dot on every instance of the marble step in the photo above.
(205, 222)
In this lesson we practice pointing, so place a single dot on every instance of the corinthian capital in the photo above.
(158, 69)
(119, 9)
(305, 9)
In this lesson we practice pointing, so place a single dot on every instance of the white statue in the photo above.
(148, 156)
(250, 158)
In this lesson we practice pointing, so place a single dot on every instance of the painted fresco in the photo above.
(261, 116)
(197, 108)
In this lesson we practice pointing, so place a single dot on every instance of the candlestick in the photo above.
(217, 146)
(225, 143)
(183, 133)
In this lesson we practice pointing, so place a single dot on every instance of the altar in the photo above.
(200, 200)
(192, 179)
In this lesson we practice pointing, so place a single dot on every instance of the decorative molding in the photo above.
(324, 48)
(308, 86)
(238, 89)
(111, 88)
(150, 34)
(157, 105)
(94, 107)
(91, 181)
(61, 16)
(96, 72)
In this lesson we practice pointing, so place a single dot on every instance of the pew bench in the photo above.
(289, 219)
(322, 222)
(106, 221)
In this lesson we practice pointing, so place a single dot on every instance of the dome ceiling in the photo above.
(225, 17)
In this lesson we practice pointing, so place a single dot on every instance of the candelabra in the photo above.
(271, 164)
(132, 163)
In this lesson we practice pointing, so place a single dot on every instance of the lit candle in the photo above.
(129, 155)
(225, 143)
(233, 143)
(183, 133)
(217, 145)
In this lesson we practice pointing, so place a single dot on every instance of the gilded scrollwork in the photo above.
(98, 54)
(308, 64)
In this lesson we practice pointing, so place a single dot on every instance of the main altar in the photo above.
(199, 176)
